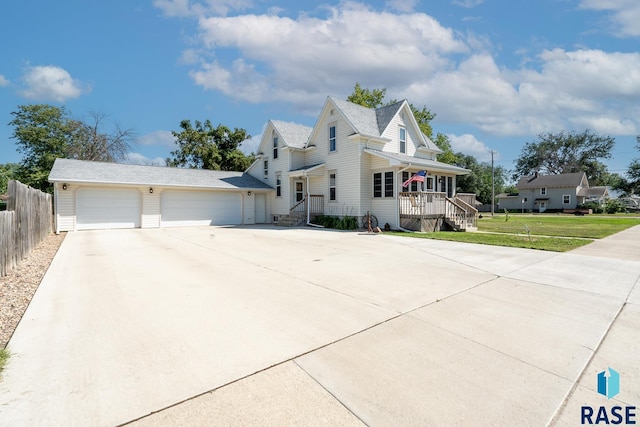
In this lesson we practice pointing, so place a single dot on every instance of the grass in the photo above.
(555, 244)
(588, 226)
(4, 356)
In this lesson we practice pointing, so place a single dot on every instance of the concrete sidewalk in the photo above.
(265, 326)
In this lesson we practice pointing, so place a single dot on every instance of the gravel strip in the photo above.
(18, 287)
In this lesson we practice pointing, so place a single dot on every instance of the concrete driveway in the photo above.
(271, 326)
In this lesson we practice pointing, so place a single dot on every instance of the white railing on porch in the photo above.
(422, 204)
(457, 210)
(316, 205)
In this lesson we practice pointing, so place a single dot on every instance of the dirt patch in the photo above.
(18, 287)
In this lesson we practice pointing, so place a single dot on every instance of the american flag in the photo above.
(419, 177)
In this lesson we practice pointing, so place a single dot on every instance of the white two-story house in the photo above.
(352, 162)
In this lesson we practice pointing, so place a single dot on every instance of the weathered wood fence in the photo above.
(27, 221)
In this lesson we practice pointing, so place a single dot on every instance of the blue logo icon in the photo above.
(609, 383)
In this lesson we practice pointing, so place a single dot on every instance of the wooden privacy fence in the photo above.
(26, 222)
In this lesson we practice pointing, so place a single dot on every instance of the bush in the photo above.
(347, 222)
(595, 207)
(614, 206)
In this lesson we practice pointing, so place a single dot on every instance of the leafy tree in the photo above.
(45, 132)
(566, 152)
(204, 146)
(367, 98)
(8, 171)
(479, 180)
(447, 155)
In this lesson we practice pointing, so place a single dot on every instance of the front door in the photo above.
(543, 206)
(299, 189)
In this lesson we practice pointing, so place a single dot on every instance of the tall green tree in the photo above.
(8, 171)
(566, 152)
(367, 98)
(42, 133)
(203, 146)
(45, 132)
(374, 98)
(631, 183)
(479, 180)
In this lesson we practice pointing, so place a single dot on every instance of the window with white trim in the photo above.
(566, 199)
(332, 137)
(278, 184)
(275, 147)
(403, 140)
(265, 165)
(332, 186)
(543, 191)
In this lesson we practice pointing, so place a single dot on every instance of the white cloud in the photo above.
(469, 144)
(291, 59)
(51, 83)
(251, 145)
(183, 8)
(159, 137)
(467, 3)
(404, 6)
(140, 159)
(3, 81)
(625, 15)
(302, 60)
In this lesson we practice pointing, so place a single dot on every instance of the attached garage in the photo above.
(97, 195)
(100, 208)
(190, 208)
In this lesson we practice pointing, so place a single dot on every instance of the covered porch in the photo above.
(305, 205)
(433, 211)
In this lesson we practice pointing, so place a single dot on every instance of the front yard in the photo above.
(558, 233)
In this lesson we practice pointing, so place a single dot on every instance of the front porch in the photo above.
(310, 206)
(434, 211)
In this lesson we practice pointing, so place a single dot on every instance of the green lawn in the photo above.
(588, 226)
(555, 244)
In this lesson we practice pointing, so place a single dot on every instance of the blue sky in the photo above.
(497, 73)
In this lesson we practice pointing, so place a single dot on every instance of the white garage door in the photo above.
(188, 208)
(99, 208)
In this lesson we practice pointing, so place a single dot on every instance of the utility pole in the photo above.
(493, 186)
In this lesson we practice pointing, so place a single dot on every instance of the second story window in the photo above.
(332, 138)
(278, 184)
(266, 168)
(543, 191)
(403, 140)
(275, 147)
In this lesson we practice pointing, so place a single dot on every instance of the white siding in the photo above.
(66, 205)
(385, 211)
(150, 208)
(345, 161)
(248, 208)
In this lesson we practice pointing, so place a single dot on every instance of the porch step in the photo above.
(291, 220)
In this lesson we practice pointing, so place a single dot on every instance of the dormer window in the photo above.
(403, 140)
(275, 147)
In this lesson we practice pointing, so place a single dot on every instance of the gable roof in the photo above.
(362, 119)
(69, 171)
(385, 114)
(551, 181)
(293, 135)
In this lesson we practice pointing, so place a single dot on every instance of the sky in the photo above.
(496, 72)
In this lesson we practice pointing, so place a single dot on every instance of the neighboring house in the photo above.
(95, 195)
(353, 161)
(599, 195)
(539, 193)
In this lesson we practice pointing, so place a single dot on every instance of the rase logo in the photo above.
(609, 386)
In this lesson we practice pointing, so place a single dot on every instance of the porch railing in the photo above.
(422, 204)
(468, 198)
(316, 205)
(472, 212)
(456, 213)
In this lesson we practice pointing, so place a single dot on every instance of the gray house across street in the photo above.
(540, 193)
